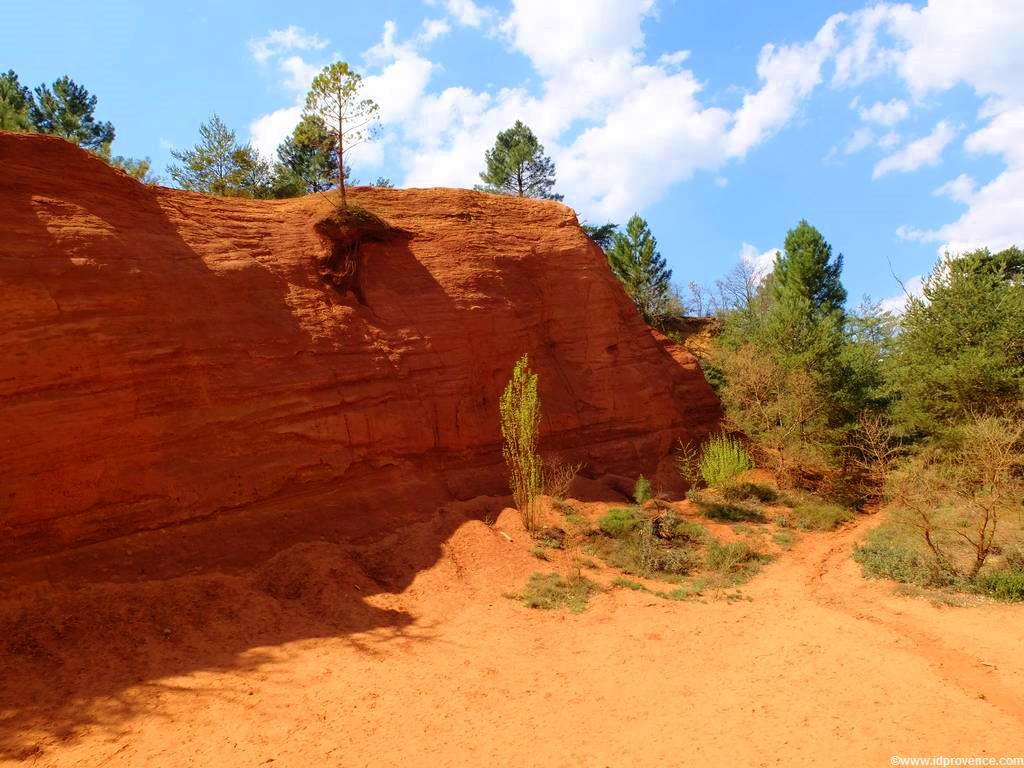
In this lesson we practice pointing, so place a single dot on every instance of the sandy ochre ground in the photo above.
(306, 660)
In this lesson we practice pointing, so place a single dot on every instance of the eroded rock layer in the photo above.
(167, 356)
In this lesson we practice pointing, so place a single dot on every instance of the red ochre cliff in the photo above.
(167, 356)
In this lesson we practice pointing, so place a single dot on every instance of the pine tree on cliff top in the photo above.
(642, 270)
(15, 102)
(66, 110)
(517, 165)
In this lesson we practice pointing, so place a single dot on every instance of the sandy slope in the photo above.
(304, 660)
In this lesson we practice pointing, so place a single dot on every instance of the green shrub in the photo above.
(620, 521)
(749, 491)
(636, 586)
(888, 554)
(722, 459)
(736, 560)
(642, 490)
(1003, 584)
(520, 424)
(785, 538)
(669, 525)
(820, 517)
(540, 552)
(548, 591)
(736, 512)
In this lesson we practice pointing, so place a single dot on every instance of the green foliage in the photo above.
(737, 560)
(795, 372)
(785, 538)
(670, 525)
(636, 586)
(219, 165)
(642, 490)
(642, 270)
(549, 591)
(820, 517)
(15, 104)
(334, 99)
(722, 459)
(66, 110)
(638, 550)
(517, 165)
(960, 350)
(748, 492)
(889, 552)
(140, 170)
(1004, 584)
(620, 521)
(807, 271)
(306, 161)
(520, 425)
(602, 234)
(383, 182)
(540, 552)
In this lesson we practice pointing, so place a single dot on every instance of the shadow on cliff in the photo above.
(84, 631)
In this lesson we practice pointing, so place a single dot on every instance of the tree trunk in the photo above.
(341, 162)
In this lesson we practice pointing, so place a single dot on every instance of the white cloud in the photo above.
(674, 59)
(466, 12)
(267, 131)
(279, 41)
(885, 113)
(788, 73)
(557, 34)
(897, 304)
(926, 151)
(861, 139)
(889, 140)
(432, 29)
(298, 73)
(761, 262)
(960, 189)
(963, 41)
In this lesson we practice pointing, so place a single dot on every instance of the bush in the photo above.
(642, 490)
(669, 525)
(887, 553)
(749, 491)
(722, 459)
(726, 513)
(1005, 584)
(520, 423)
(736, 559)
(620, 521)
(548, 591)
(820, 517)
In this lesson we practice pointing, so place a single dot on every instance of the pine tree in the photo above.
(960, 350)
(218, 165)
(602, 234)
(517, 165)
(635, 260)
(67, 110)
(334, 98)
(306, 160)
(15, 104)
(807, 270)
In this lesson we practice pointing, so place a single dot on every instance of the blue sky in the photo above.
(898, 130)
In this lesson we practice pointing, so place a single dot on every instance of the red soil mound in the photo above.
(170, 356)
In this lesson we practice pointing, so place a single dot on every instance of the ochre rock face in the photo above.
(167, 356)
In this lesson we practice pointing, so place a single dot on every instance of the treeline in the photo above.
(923, 414)
(64, 109)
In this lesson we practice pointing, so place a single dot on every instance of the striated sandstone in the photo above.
(167, 356)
